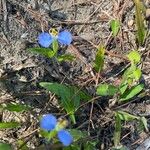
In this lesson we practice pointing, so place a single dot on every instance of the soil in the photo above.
(21, 71)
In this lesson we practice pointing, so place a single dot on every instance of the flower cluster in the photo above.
(45, 39)
(49, 123)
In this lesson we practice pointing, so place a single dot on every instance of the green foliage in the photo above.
(4, 146)
(117, 132)
(143, 124)
(65, 57)
(106, 90)
(130, 93)
(49, 53)
(120, 148)
(141, 31)
(124, 116)
(115, 27)
(134, 57)
(22, 144)
(48, 135)
(72, 147)
(70, 96)
(55, 46)
(77, 134)
(9, 125)
(15, 107)
(80, 141)
(99, 59)
(90, 145)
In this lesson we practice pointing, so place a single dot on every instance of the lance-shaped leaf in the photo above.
(117, 132)
(9, 125)
(43, 51)
(141, 31)
(130, 93)
(99, 59)
(70, 96)
(115, 27)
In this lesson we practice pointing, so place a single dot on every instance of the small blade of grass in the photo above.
(117, 133)
(99, 59)
(115, 27)
(141, 31)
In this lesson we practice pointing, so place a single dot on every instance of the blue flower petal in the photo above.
(65, 38)
(65, 137)
(48, 122)
(45, 39)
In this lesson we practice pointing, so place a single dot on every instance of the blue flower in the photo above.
(49, 122)
(45, 39)
(65, 137)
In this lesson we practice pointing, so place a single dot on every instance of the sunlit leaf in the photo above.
(137, 74)
(99, 59)
(7, 125)
(43, 51)
(134, 57)
(106, 90)
(123, 88)
(115, 27)
(130, 93)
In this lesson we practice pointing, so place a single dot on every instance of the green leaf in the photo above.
(139, 17)
(66, 57)
(55, 46)
(130, 93)
(120, 148)
(48, 135)
(123, 88)
(134, 57)
(16, 107)
(137, 74)
(115, 27)
(144, 122)
(7, 125)
(90, 145)
(20, 143)
(4, 146)
(106, 90)
(77, 134)
(70, 96)
(43, 51)
(124, 116)
(99, 59)
(72, 147)
(117, 132)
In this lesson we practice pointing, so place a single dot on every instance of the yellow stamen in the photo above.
(53, 32)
